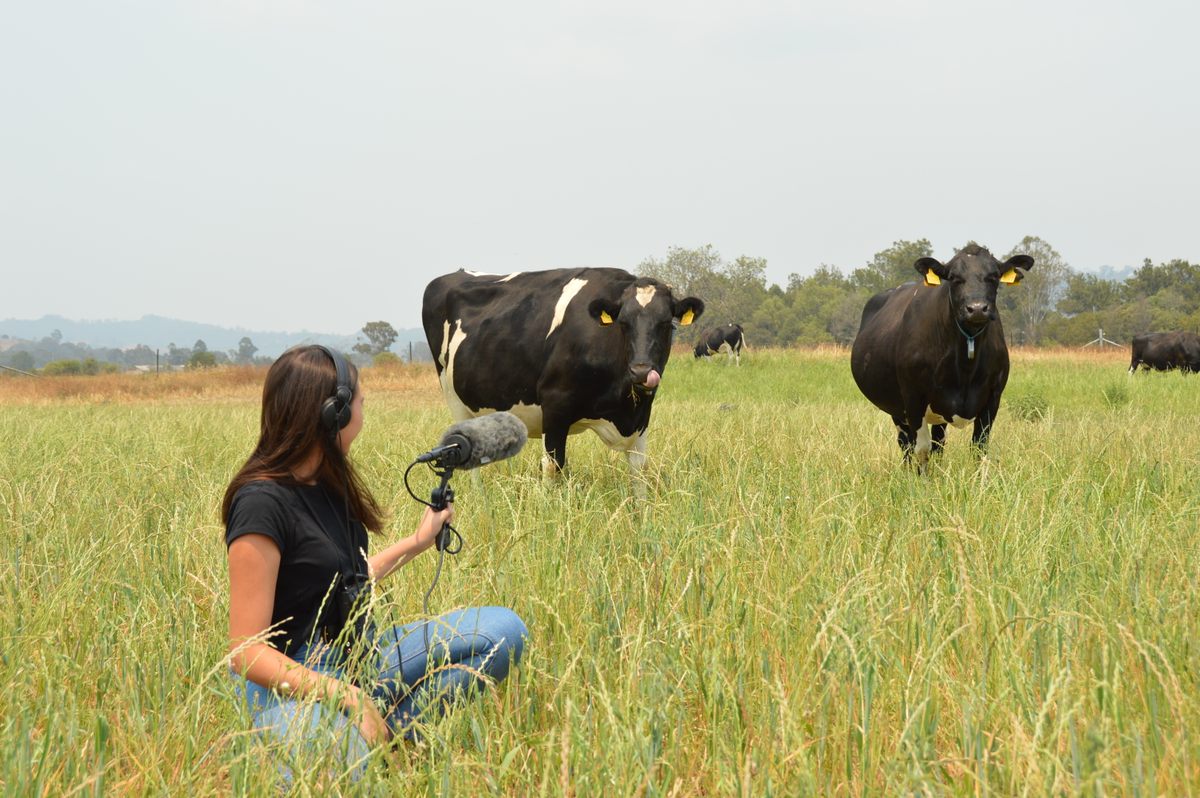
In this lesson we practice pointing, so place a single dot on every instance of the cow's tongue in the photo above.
(652, 379)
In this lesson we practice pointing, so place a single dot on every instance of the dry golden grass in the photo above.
(416, 383)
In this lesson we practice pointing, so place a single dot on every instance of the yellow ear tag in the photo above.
(686, 318)
(931, 278)
(1010, 277)
(605, 319)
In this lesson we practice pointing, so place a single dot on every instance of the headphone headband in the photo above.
(335, 411)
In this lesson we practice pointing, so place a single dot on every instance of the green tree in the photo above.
(687, 271)
(201, 359)
(21, 360)
(245, 350)
(380, 337)
(731, 292)
(1087, 292)
(1026, 305)
(891, 267)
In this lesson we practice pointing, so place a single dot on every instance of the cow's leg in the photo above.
(554, 435)
(938, 436)
(919, 431)
(983, 427)
(737, 355)
(905, 437)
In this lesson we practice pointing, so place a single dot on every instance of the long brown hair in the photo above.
(297, 384)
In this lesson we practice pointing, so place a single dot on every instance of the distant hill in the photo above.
(157, 332)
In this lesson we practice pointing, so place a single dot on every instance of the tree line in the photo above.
(1054, 305)
(52, 355)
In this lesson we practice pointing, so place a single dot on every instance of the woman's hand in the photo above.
(403, 551)
(432, 523)
(365, 715)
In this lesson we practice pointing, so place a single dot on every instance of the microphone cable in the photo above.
(442, 552)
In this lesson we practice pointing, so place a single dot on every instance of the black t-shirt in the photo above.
(308, 524)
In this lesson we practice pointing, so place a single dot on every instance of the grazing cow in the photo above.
(1166, 351)
(728, 338)
(935, 353)
(564, 350)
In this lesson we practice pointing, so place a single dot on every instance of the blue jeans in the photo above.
(467, 649)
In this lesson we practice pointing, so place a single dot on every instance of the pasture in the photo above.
(790, 612)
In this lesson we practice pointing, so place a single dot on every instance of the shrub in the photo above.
(1030, 406)
(57, 368)
(1116, 394)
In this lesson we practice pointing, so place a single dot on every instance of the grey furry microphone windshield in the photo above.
(478, 441)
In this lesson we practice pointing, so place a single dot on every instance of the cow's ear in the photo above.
(688, 310)
(603, 311)
(1015, 268)
(932, 270)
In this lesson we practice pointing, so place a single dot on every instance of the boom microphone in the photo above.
(478, 441)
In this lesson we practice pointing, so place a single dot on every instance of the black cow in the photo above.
(564, 350)
(1165, 351)
(935, 353)
(728, 338)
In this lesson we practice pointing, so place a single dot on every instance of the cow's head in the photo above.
(645, 316)
(973, 275)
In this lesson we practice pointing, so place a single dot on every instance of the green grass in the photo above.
(791, 612)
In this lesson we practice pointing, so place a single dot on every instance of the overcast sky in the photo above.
(285, 165)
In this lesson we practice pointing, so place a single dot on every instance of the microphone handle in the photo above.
(441, 496)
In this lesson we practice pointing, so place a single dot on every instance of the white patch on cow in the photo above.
(458, 409)
(634, 446)
(645, 294)
(955, 421)
(530, 415)
(924, 445)
(560, 309)
(499, 279)
(445, 344)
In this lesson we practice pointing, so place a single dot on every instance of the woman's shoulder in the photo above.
(261, 492)
(263, 506)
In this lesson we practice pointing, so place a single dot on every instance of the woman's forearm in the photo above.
(396, 555)
(271, 668)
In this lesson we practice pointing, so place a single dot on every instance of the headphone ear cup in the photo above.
(335, 411)
(341, 406)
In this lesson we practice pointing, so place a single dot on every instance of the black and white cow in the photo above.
(934, 353)
(564, 350)
(1165, 351)
(728, 338)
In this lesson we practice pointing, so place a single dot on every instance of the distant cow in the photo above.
(1165, 351)
(728, 338)
(564, 350)
(935, 353)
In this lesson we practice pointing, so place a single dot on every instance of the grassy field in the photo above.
(789, 613)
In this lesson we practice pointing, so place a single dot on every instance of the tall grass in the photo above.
(790, 612)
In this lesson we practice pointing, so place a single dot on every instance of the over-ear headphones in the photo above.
(335, 411)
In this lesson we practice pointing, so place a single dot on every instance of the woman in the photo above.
(296, 518)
